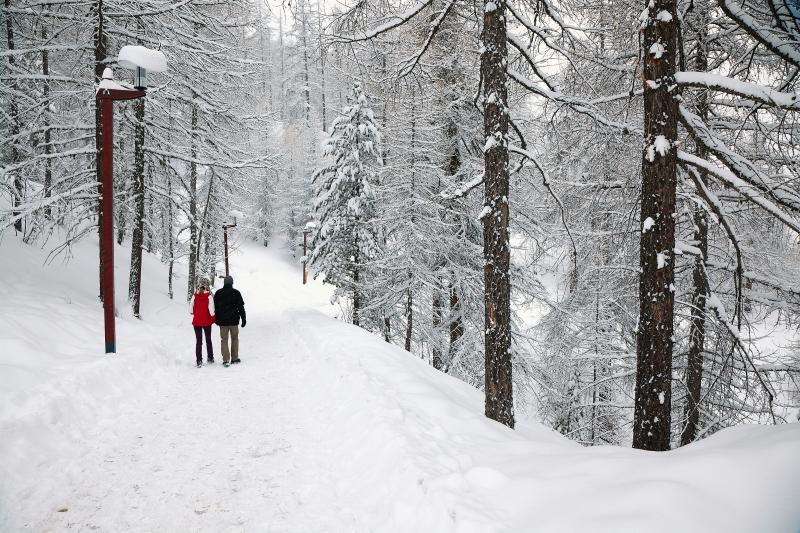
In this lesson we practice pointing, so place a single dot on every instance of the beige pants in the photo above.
(223, 333)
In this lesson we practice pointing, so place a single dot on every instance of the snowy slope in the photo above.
(323, 427)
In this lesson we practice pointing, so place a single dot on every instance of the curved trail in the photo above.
(211, 449)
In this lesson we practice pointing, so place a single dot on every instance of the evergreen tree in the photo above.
(344, 201)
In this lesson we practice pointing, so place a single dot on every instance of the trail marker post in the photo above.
(139, 59)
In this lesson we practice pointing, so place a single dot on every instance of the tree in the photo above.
(344, 201)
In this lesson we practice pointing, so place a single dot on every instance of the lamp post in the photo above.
(108, 92)
(225, 228)
(309, 227)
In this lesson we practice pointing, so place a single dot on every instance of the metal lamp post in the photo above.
(309, 227)
(225, 228)
(108, 92)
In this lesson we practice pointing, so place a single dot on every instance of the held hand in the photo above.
(244, 322)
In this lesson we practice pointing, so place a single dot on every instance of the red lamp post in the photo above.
(139, 59)
(108, 92)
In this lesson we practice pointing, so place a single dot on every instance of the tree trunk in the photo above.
(497, 288)
(171, 244)
(652, 409)
(409, 319)
(137, 236)
(436, 345)
(456, 324)
(193, 204)
(13, 117)
(48, 147)
(99, 66)
(356, 292)
(694, 363)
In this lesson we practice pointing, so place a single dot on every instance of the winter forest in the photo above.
(586, 210)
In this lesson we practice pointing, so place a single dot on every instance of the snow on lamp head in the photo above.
(141, 59)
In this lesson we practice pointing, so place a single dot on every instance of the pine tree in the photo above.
(344, 201)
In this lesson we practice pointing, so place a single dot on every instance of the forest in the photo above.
(587, 209)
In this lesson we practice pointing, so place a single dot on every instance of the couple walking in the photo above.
(224, 309)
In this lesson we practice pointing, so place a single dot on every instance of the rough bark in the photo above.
(409, 319)
(13, 117)
(48, 147)
(137, 234)
(193, 203)
(694, 363)
(436, 312)
(99, 65)
(652, 409)
(497, 289)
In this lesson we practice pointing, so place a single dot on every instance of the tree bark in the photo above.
(193, 203)
(48, 147)
(13, 113)
(137, 235)
(99, 66)
(497, 289)
(694, 363)
(409, 319)
(652, 409)
(436, 345)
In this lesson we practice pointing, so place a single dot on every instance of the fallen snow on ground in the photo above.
(323, 427)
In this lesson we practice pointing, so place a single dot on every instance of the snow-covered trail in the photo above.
(213, 449)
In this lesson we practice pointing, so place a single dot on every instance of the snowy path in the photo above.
(213, 450)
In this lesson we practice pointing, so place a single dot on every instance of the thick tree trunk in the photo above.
(13, 117)
(137, 237)
(652, 409)
(99, 66)
(694, 363)
(497, 289)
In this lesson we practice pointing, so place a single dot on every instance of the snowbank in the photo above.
(56, 383)
(414, 453)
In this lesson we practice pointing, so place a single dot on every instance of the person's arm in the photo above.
(211, 306)
(241, 310)
(191, 305)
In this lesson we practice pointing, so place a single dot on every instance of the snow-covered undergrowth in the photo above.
(56, 383)
(324, 427)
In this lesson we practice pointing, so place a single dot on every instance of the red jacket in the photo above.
(202, 309)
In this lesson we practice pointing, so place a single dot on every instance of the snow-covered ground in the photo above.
(322, 428)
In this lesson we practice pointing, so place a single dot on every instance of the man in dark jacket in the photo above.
(229, 308)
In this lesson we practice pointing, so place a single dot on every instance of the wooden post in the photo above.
(107, 221)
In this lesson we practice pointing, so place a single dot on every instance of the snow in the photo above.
(323, 427)
(132, 56)
(657, 50)
(661, 260)
(753, 91)
(648, 224)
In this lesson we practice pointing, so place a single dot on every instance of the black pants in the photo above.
(199, 346)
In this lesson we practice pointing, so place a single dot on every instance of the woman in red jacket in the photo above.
(202, 310)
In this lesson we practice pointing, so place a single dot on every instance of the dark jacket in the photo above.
(229, 306)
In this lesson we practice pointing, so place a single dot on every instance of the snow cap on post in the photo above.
(141, 59)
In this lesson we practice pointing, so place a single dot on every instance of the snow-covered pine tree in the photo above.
(344, 201)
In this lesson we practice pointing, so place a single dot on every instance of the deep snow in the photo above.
(323, 427)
